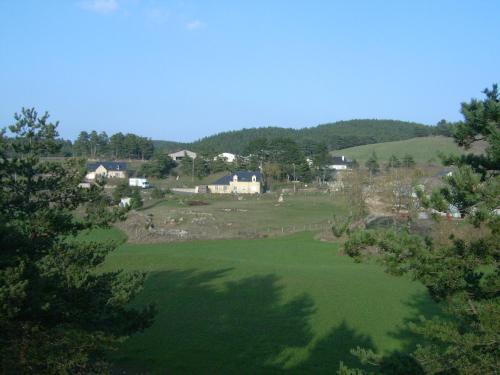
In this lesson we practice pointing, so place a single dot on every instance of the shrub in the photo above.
(157, 193)
(357, 241)
(340, 226)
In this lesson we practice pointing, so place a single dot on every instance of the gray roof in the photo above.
(245, 176)
(337, 160)
(109, 165)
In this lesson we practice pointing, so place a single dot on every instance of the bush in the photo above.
(340, 226)
(121, 190)
(157, 193)
(357, 241)
(136, 201)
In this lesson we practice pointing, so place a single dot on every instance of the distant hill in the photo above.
(422, 149)
(336, 135)
(169, 146)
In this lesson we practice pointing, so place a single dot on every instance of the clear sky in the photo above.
(180, 70)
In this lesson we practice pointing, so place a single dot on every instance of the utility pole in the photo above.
(192, 171)
(294, 179)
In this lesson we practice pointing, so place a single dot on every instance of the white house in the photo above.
(227, 156)
(340, 163)
(179, 155)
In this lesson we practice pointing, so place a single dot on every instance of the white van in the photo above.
(140, 182)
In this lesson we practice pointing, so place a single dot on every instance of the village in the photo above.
(242, 203)
(249, 187)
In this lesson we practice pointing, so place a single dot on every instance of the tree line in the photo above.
(119, 146)
(334, 136)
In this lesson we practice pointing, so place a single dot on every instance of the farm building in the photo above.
(340, 163)
(179, 155)
(108, 169)
(241, 182)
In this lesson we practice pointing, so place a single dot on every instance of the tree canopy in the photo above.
(462, 275)
(57, 314)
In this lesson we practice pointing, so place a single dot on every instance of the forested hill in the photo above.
(169, 146)
(336, 135)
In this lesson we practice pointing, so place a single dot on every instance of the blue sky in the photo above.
(180, 70)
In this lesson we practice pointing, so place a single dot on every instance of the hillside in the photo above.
(336, 135)
(422, 149)
(168, 146)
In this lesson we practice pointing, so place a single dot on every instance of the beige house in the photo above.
(106, 169)
(179, 155)
(242, 182)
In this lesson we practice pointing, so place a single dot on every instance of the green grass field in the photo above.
(423, 149)
(282, 305)
(230, 216)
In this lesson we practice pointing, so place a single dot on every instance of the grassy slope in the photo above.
(422, 149)
(289, 304)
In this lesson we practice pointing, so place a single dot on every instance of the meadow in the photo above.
(423, 149)
(230, 216)
(289, 304)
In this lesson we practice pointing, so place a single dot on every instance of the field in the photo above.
(230, 216)
(423, 150)
(278, 305)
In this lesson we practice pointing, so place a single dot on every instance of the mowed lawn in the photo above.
(282, 305)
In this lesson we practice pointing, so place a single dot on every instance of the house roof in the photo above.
(245, 176)
(183, 152)
(340, 160)
(109, 165)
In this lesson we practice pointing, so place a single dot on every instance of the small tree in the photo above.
(136, 198)
(393, 162)
(157, 193)
(372, 164)
(122, 190)
(160, 166)
(408, 161)
(355, 193)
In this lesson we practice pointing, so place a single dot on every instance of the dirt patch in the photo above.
(197, 203)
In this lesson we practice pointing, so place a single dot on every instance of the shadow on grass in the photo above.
(210, 326)
(421, 306)
(233, 327)
(332, 349)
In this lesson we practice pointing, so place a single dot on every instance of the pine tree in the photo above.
(408, 161)
(393, 162)
(464, 276)
(372, 164)
(57, 314)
